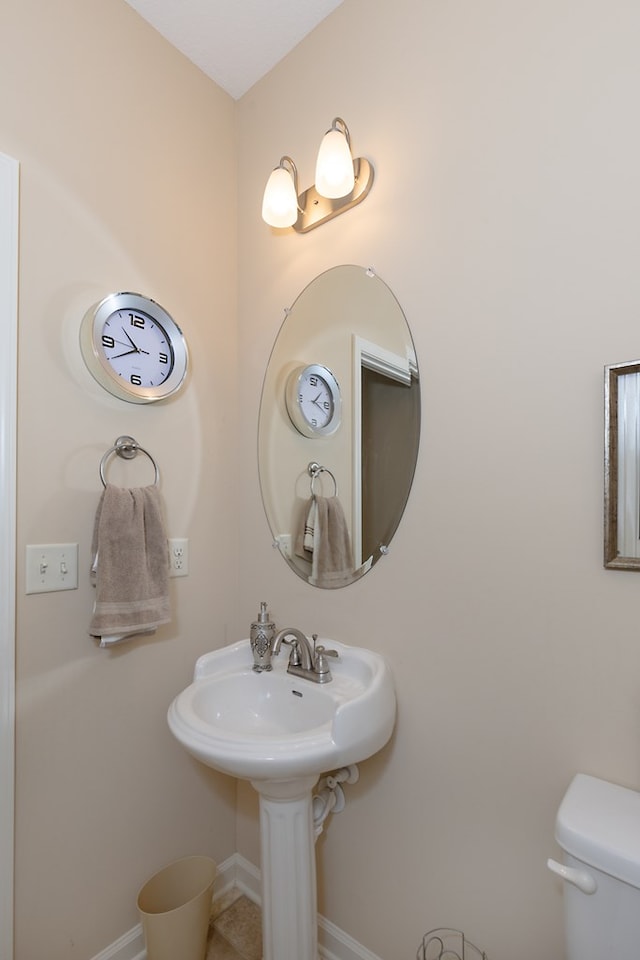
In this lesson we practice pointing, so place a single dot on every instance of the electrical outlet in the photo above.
(178, 557)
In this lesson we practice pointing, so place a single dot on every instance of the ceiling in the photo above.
(235, 42)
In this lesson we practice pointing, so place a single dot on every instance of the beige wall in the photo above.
(504, 216)
(127, 157)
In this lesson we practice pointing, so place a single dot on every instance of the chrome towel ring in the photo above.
(127, 448)
(314, 470)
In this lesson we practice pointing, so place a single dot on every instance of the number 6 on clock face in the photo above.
(133, 348)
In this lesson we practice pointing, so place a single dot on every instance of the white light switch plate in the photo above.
(51, 566)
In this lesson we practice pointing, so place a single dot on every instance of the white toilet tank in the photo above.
(598, 827)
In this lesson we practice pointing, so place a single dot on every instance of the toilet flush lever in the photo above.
(581, 879)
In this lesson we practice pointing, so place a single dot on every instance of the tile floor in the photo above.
(235, 932)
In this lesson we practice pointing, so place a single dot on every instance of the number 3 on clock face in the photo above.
(133, 348)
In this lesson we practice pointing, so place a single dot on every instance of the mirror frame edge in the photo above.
(612, 558)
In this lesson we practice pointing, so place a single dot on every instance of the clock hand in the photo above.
(135, 349)
(125, 354)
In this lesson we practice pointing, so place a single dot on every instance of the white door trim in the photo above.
(8, 427)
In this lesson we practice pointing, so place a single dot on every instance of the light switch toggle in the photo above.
(51, 566)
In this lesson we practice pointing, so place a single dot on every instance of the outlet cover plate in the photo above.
(178, 557)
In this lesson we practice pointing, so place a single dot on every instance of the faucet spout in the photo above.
(301, 654)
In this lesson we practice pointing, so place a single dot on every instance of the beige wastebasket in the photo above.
(174, 907)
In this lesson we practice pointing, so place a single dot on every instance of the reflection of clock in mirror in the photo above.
(313, 400)
(133, 348)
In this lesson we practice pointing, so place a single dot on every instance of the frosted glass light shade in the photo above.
(280, 201)
(334, 166)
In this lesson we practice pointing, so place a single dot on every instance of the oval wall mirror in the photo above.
(339, 426)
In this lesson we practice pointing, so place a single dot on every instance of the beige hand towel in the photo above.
(331, 555)
(130, 564)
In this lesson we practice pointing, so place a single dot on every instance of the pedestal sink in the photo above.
(281, 733)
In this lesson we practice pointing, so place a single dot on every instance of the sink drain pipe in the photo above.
(330, 795)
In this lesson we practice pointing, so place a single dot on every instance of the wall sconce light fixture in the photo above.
(341, 183)
(280, 201)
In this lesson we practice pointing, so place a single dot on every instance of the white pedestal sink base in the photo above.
(281, 732)
(289, 899)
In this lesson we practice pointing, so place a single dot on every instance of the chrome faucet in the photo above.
(304, 661)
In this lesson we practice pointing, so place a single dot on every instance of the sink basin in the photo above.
(274, 726)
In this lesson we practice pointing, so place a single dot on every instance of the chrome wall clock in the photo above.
(313, 401)
(133, 348)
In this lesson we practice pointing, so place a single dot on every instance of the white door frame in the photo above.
(8, 427)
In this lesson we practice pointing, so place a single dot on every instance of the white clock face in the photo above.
(137, 348)
(313, 401)
(133, 348)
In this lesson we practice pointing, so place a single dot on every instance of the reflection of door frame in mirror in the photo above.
(388, 364)
(622, 466)
(8, 416)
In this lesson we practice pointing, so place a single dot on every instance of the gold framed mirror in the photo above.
(622, 466)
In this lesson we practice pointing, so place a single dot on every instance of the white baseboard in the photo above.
(130, 946)
(333, 943)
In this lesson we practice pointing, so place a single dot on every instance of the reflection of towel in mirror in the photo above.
(129, 564)
(326, 543)
(303, 546)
